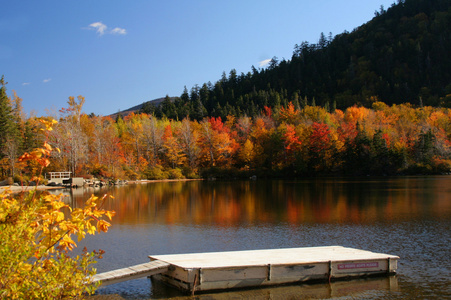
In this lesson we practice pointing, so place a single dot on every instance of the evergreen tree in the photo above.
(295, 100)
(199, 110)
(313, 102)
(168, 108)
(148, 108)
(8, 128)
(185, 95)
(205, 98)
(327, 106)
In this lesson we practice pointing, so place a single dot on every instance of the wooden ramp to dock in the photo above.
(133, 272)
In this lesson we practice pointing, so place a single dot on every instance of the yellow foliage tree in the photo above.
(36, 233)
(247, 154)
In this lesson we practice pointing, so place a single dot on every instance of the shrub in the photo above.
(220, 173)
(99, 171)
(190, 173)
(21, 179)
(131, 174)
(442, 166)
(175, 174)
(155, 173)
(419, 169)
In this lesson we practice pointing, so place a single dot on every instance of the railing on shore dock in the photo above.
(57, 175)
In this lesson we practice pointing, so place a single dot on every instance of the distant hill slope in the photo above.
(138, 108)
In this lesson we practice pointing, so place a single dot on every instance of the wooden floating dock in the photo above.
(199, 272)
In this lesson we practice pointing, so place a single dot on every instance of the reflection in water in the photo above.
(143, 288)
(254, 202)
(302, 291)
(322, 291)
(406, 216)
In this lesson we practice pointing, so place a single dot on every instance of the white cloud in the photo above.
(264, 63)
(99, 27)
(47, 80)
(25, 83)
(118, 30)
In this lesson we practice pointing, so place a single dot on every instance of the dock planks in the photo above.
(268, 256)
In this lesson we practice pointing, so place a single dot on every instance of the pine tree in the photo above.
(8, 129)
(185, 95)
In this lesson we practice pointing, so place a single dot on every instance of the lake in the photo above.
(405, 216)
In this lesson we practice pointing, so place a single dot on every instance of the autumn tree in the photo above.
(292, 144)
(104, 148)
(289, 114)
(11, 152)
(216, 144)
(172, 149)
(244, 127)
(320, 154)
(263, 144)
(247, 154)
(37, 232)
(75, 107)
(189, 136)
(73, 142)
(133, 136)
(152, 139)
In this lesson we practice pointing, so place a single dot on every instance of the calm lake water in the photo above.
(405, 216)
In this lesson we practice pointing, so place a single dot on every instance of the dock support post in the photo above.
(197, 280)
(330, 270)
(268, 277)
(194, 285)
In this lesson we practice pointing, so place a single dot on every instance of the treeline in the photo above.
(400, 56)
(285, 142)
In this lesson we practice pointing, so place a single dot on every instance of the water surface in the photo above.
(405, 216)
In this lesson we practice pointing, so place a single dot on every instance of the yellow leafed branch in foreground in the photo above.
(36, 230)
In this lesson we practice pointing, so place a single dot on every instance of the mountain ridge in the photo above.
(137, 108)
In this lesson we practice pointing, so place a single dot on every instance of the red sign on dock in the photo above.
(358, 266)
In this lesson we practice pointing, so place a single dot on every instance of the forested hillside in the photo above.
(401, 56)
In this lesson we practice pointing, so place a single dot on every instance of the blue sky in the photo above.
(118, 54)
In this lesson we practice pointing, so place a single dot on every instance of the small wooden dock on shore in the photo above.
(198, 272)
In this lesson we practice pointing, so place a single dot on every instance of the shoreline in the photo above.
(20, 189)
(161, 180)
